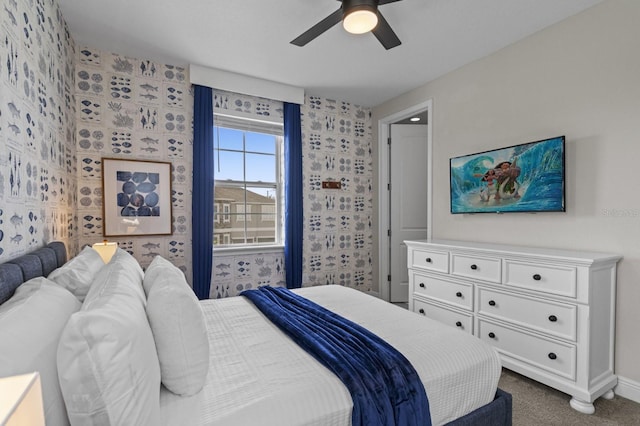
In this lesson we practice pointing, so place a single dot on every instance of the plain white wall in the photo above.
(579, 78)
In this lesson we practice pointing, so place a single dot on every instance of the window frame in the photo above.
(277, 187)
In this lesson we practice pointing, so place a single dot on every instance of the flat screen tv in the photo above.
(522, 178)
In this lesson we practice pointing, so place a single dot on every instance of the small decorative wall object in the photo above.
(136, 197)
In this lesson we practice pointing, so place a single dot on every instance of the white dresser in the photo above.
(549, 313)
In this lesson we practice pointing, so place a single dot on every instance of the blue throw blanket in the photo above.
(384, 386)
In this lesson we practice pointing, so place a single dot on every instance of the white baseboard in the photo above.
(628, 388)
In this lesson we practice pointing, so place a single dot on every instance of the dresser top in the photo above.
(515, 250)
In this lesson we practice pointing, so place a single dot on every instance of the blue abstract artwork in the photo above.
(138, 193)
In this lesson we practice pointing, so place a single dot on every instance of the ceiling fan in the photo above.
(358, 17)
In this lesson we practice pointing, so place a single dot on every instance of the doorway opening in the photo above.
(390, 256)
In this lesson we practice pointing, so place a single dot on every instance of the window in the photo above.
(268, 212)
(249, 182)
(244, 212)
(226, 209)
(216, 216)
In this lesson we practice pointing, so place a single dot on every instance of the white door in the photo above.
(408, 200)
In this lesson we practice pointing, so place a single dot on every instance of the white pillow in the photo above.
(156, 268)
(128, 269)
(107, 362)
(178, 327)
(31, 323)
(78, 273)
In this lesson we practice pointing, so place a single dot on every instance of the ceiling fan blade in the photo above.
(385, 34)
(380, 2)
(318, 28)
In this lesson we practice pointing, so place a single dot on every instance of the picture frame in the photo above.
(136, 197)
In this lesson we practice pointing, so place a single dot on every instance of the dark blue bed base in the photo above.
(499, 412)
(38, 263)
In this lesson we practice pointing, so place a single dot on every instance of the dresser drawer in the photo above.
(430, 259)
(556, 357)
(553, 279)
(558, 319)
(483, 268)
(455, 293)
(459, 320)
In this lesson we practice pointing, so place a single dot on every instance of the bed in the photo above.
(220, 363)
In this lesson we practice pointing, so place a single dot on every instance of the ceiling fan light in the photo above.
(360, 21)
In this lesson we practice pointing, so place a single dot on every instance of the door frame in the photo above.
(383, 179)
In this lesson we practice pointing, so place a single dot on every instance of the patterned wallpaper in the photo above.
(338, 232)
(38, 165)
(134, 109)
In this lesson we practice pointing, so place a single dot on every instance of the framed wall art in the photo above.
(136, 197)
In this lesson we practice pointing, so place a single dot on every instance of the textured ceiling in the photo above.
(252, 37)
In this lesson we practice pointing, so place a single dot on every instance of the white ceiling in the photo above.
(252, 37)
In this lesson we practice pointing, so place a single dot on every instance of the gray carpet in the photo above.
(535, 404)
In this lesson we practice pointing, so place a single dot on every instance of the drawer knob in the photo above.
(552, 355)
(474, 267)
(428, 260)
(458, 324)
(458, 294)
(553, 318)
(492, 303)
(421, 311)
(492, 335)
(421, 285)
(537, 277)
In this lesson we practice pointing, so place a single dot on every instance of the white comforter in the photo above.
(258, 376)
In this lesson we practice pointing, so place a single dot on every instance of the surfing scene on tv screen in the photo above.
(521, 178)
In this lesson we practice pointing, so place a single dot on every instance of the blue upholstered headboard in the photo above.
(35, 264)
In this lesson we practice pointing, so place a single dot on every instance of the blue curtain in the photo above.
(293, 195)
(202, 202)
